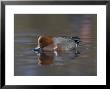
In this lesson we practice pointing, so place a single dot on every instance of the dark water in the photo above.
(28, 63)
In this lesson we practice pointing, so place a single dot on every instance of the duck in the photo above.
(56, 44)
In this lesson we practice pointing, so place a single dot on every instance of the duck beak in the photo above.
(37, 50)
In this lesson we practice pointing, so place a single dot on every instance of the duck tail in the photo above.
(76, 39)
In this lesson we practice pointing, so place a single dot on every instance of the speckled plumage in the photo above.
(48, 43)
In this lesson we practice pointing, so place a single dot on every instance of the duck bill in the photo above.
(37, 50)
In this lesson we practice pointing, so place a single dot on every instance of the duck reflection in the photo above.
(45, 58)
(48, 58)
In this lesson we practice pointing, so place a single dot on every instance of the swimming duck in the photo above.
(61, 43)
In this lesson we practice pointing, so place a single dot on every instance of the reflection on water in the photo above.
(28, 63)
(47, 58)
(85, 32)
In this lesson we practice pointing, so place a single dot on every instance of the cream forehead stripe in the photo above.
(39, 41)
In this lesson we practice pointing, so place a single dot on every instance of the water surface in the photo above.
(28, 63)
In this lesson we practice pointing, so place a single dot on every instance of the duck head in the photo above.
(43, 41)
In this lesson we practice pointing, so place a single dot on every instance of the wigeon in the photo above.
(61, 43)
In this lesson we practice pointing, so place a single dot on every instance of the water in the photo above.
(28, 63)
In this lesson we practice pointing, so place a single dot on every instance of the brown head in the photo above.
(44, 41)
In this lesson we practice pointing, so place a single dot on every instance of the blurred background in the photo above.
(27, 28)
(54, 24)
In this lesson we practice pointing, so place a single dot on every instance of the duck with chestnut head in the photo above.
(59, 44)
